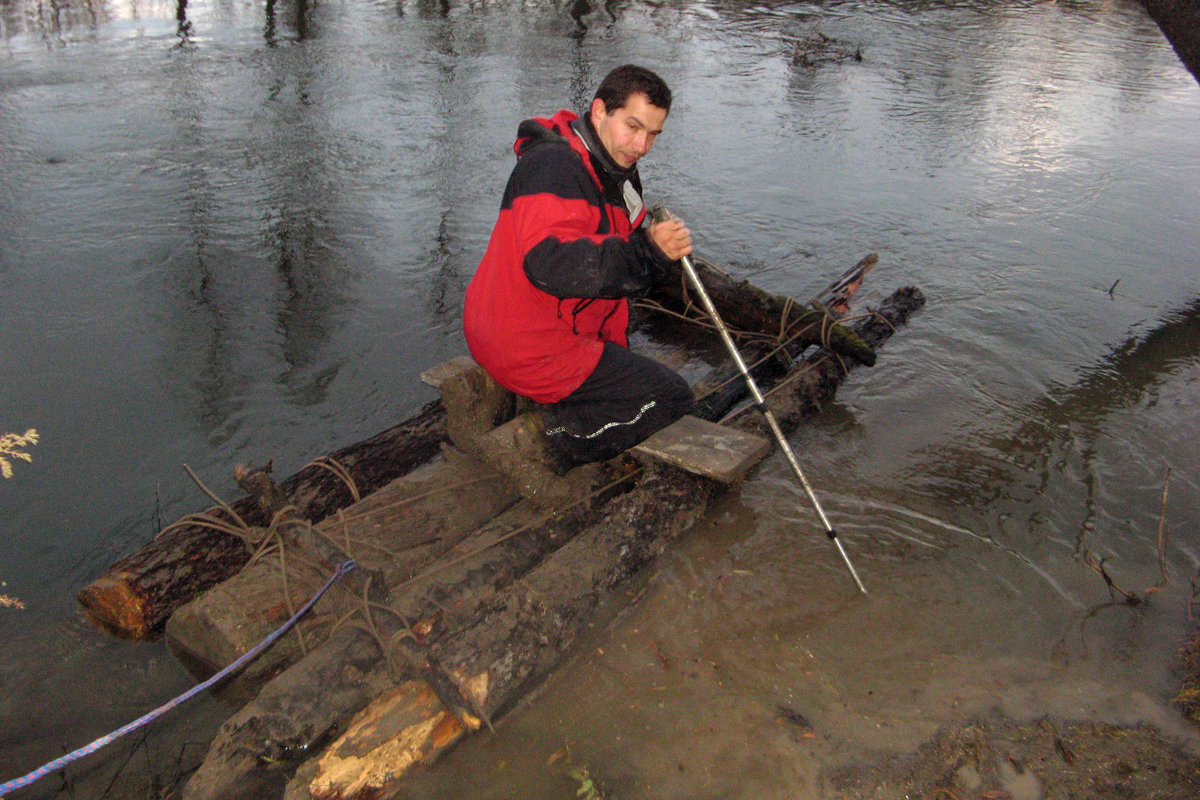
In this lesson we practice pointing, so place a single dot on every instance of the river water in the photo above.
(232, 231)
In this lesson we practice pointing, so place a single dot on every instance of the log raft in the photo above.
(402, 527)
(523, 631)
(451, 648)
(136, 596)
(461, 605)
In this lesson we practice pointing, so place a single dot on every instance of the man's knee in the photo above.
(675, 396)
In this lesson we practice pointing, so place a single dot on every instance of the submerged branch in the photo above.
(1133, 598)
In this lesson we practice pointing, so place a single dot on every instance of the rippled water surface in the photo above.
(233, 231)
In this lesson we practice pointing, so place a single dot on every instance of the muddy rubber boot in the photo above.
(473, 402)
(518, 450)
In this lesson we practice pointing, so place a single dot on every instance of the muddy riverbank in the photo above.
(999, 759)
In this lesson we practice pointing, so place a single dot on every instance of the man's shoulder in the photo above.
(551, 167)
(556, 152)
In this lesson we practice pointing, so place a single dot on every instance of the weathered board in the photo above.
(705, 448)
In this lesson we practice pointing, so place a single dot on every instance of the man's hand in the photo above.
(672, 238)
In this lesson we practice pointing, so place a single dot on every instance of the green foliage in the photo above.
(587, 787)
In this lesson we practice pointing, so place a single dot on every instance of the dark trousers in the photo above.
(625, 399)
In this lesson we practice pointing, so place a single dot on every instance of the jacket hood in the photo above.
(546, 130)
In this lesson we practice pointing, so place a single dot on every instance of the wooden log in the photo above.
(136, 595)
(768, 361)
(411, 707)
(522, 631)
(395, 532)
(291, 716)
(745, 307)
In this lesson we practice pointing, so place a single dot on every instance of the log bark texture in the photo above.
(518, 633)
(745, 307)
(135, 596)
(393, 533)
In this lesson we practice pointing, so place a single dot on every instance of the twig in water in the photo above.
(1114, 286)
(157, 522)
(1130, 597)
(1133, 598)
(1162, 539)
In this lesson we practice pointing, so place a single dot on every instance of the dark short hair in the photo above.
(629, 79)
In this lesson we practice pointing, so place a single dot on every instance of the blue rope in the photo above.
(59, 763)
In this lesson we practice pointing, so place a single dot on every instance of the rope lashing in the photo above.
(249, 655)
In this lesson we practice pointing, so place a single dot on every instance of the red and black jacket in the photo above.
(563, 256)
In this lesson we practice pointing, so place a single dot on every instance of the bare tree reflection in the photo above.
(1059, 431)
(301, 21)
(183, 28)
(284, 267)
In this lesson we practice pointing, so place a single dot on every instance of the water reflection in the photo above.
(184, 31)
(55, 22)
(301, 198)
(263, 277)
(1062, 433)
(299, 17)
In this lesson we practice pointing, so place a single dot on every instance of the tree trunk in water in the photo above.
(293, 713)
(746, 308)
(137, 594)
(1180, 21)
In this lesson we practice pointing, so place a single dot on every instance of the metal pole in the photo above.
(707, 302)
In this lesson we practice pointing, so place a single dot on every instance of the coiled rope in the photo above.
(59, 763)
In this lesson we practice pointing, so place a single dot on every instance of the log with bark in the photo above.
(745, 308)
(134, 598)
(486, 628)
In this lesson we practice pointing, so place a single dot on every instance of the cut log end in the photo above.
(114, 605)
(398, 730)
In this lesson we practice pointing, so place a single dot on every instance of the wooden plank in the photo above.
(705, 448)
(436, 376)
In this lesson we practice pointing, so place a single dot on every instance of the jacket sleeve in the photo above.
(557, 209)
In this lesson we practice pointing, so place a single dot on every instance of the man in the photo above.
(546, 313)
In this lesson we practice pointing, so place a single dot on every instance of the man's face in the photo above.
(628, 132)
